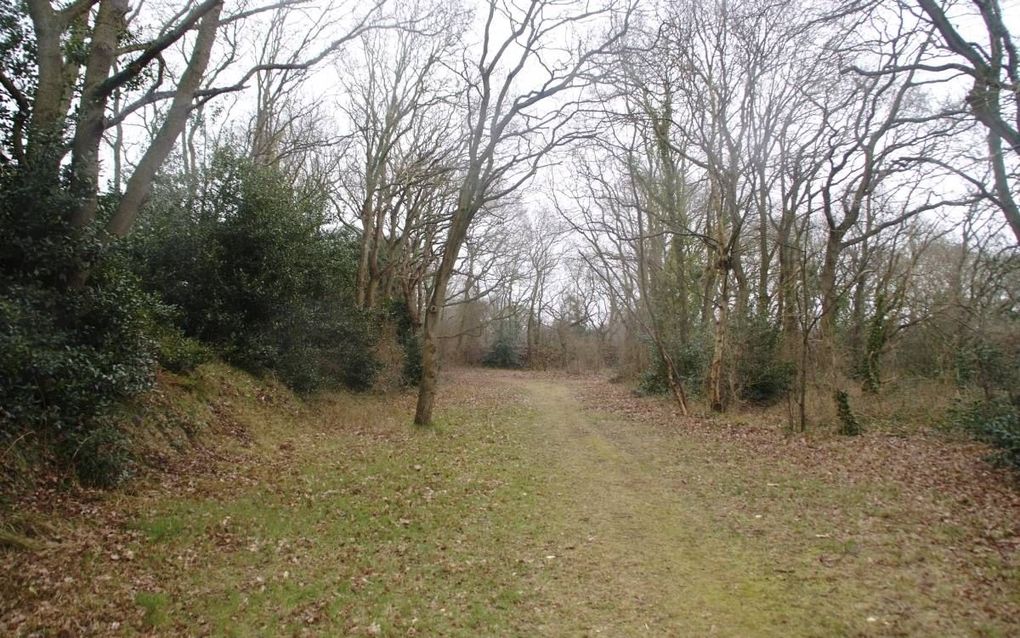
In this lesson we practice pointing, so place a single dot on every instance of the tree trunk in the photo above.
(429, 368)
(743, 292)
(673, 379)
(1002, 187)
(715, 370)
(51, 91)
(859, 330)
(827, 283)
(437, 299)
(802, 381)
(367, 237)
(533, 321)
(786, 307)
(88, 133)
(678, 263)
(140, 184)
(707, 294)
(764, 256)
(466, 295)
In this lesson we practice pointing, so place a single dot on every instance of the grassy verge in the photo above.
(334, 517)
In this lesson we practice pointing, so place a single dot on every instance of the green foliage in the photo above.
(101, 454)
(410, 342)
(320, 344)
(154, 605)
(69, 351)
(996, 422)
(869, 369)
(251, 270)
(243, 264)
(653, 379)
(175, 351)
(178, 353)
(762, 376)
(691, 361)
(68, 356)
(505, 350)
(848, 423)
(992, 366)
(17, 63)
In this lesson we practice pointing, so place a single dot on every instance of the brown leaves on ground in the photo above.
(924, 508)
(930, 497)
(927, 464)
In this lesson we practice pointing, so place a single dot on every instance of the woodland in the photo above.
(736, 203)
(786, 230)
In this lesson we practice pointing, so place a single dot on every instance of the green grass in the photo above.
(412, 532)
(161, 528)
(154, 606)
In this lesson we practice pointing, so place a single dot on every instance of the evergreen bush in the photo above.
(763, 377)
(253, 271)
(410, 342)
(691, 361)
(848, 423)
(997, 422)
(75, 328)
(505, 351)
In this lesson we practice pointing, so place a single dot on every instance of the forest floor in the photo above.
(539, 505)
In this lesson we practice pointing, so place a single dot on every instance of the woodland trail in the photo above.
(648, 557)
(692, 535)
(538, 506)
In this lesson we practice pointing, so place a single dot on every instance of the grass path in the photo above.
(531, 509)
(642, 555)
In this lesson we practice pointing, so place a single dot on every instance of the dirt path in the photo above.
(538, 506)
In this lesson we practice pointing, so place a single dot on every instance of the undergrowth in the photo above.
(996, 422)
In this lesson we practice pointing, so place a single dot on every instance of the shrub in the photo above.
(324, 345)
(504, 352)
(848, 423)
(175, 351)
(101, 455)
(996, 422)
(691, 362)
(253, 272)
(178, 353)
(762, 376)
(654, 379)
(410, 342)
(68, 356)
(992, 366)
(69, 350)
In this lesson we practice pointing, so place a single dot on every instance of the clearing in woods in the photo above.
(539, 505)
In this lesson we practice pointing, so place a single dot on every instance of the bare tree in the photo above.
(880, 124)
(404, 143)
(610, 213)
(511, 127)
(545, 253)
(994, 98)
(969, 39)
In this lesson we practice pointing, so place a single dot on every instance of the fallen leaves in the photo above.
(916, 502)
(928, 511)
